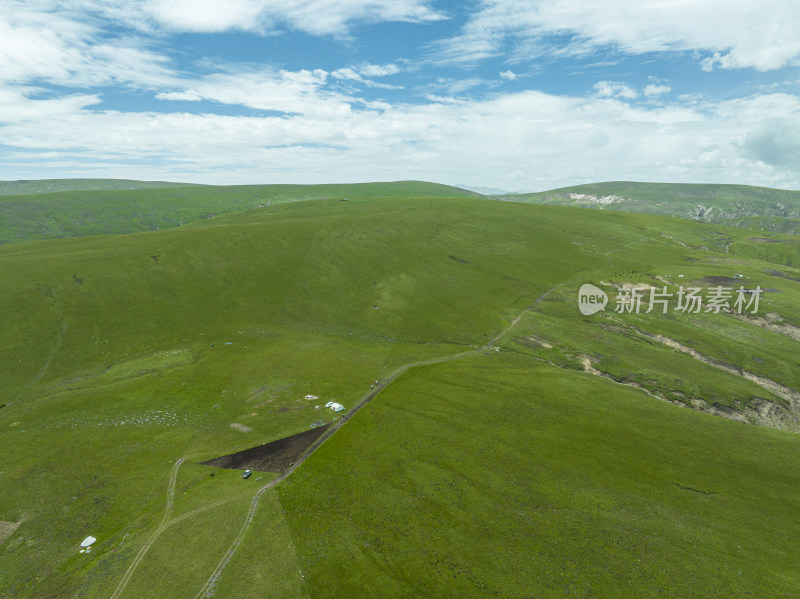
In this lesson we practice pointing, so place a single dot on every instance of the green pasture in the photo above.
(510, 473)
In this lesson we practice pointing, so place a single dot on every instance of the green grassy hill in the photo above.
(745, 206)
(533, 452)
(775, 224)
(59, 185)
(82, 207)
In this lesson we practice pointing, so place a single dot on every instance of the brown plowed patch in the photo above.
(276, 456)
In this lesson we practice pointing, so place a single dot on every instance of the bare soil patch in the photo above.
(771, 322)
(7, 529)
(242, 428)
(276, 456)
(721, 280)
(533, 341)
(782, 275)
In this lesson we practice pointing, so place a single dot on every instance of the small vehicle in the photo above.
(246, 474)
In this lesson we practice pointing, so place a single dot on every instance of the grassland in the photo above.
(775, 224)
(78, 207)
(62, 185)
(558, 486)
(515, 472)
(760, 208)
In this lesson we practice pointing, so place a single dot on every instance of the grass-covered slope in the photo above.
(502, 476)
(79, 207)
(745, 206)
(36, 186)
(775, 224)
(519, 470)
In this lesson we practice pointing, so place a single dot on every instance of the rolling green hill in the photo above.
(96, 207)
(514, 447)
(745, 206)
(59, 185)
(775, 224)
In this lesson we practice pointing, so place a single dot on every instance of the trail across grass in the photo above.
(166, 522)
(213, 347)
(208, 589)
(152, 538)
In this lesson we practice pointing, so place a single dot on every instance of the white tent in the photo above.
(336, 407)
(88, 541)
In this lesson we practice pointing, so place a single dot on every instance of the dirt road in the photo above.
(155, 534)
(209, 587)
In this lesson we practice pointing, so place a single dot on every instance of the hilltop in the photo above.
(745, 206)
(101, 207)
(37, 186)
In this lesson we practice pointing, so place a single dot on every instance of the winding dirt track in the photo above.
(61, 327)
(155, 534)
(166, 523)
(209, 587)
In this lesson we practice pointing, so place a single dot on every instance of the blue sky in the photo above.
(519, 95)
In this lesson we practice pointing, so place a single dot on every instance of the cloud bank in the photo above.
(259, 122)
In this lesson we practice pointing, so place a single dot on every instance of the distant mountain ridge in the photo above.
(85, 207)
(37, 186)
(760, 208)
(51, 208)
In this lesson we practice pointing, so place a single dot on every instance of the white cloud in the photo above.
(39, 45)
(378, 70)
(207, 16)
(615, 89)
(316, 126)
(18, 107)
(508, 75)
(528, 140)
(184, 96)
(351, 74)
(453, 87)
(346, 73)
(68, 43)
(317, 17)
(292, 92)
(776, 142)
(739, 33)
(654, 90)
